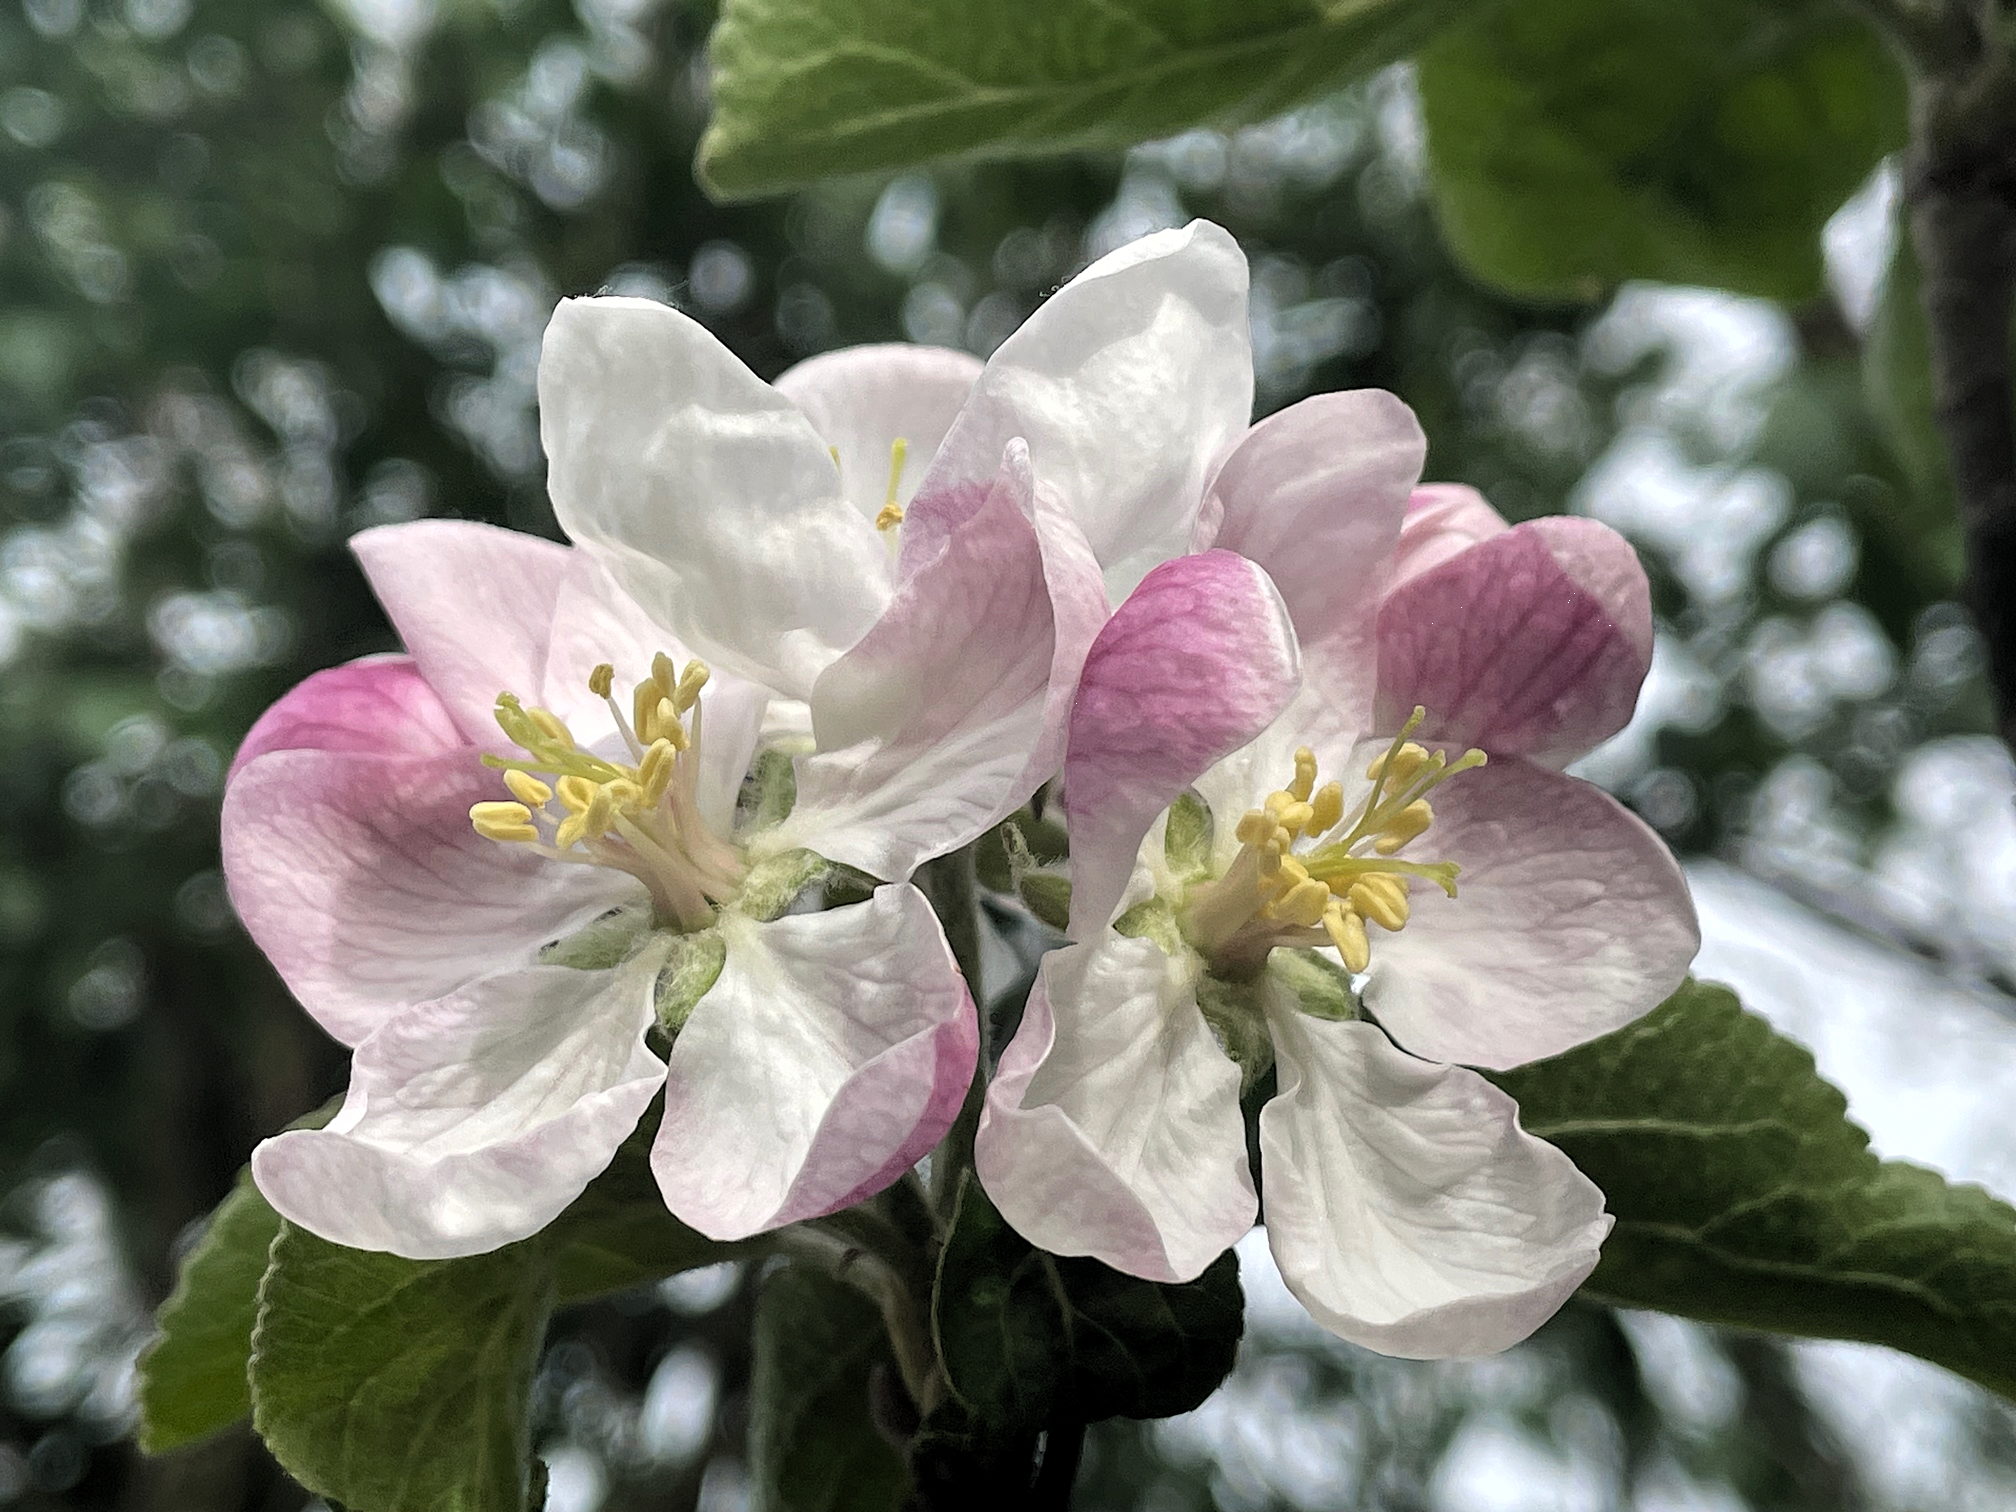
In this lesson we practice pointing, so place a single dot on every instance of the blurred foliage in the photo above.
(271, 272)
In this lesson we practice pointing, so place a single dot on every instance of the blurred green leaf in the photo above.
(1575, 144)
(813, 1446)
(1027, 1338)
(1744, 1195)
(392, 1385)
(192, 1377)
(807, 88)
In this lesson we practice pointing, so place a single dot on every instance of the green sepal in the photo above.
(1047, 895)
(1317, 985)
(1016, 845)
(692, 966)
(1153, 919)
(769, 793)
(776, 882)
(1233, 1011)
(1187, 837)
(602, 944)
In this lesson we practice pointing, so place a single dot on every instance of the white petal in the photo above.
(1112, 1127)
(361, 880)
(473, 1120)
(1571, 919)
(864, 399)
(831, 1055)
(1128, 384)
(705, 492)
(1405, 1206)
(941, 721)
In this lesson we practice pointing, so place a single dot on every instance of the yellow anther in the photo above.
(687, 691)
(570, 831)
(601, 680)
(665, 724)
(503, 821)
(1295, 817)
(891, 514)
(655, 770)
(1326, 808)
(664, 673)
(1347, 933)
(528, 789)
(551, 726)
(1382, 898)
(1403, 764)
(1278, 801)
(1305, 904)
(1305, 774)
(1284, 877)
(576, 793)
(1411, 821)
(1255, 828)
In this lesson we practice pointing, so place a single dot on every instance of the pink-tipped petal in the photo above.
(862, 400)
(1128, 384)
(375, 706)
(1198, 661)
(831, 1055)
(946, 716)
(1112, 1127)
(705, 492)
(1533, 643)
(1571, 919)
(1315, 494)
(473, 604)
(473, 1120)
(1405, 1206)
(1442, 520)
(361, 880)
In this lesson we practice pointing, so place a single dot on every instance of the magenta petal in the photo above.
(360, 878)
(833, 1052)
(1442, 519)
(1198, 661)
(1571, 919)
(376, 706)
(1533, 643)
(473, 604)
(1315, 494)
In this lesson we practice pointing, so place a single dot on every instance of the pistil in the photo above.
(1347, 873)
(642, 817)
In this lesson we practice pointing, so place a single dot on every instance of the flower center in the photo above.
(1307, 873)
(891, 514)
(572, 805)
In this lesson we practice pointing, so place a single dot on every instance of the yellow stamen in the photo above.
(576, 792)
(528, 789)
(1411, 821)
(1326, 808)
(1305, 774)
(1382, 898)
(503, 821)
(891, 513)
(551, 726)
(1347, 933)
(1306, 903)
(601, 680)
(687, 691)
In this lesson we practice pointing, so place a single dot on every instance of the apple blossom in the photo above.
(1339, 730)
(504, 877)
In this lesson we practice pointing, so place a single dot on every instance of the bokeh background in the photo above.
(272, 271)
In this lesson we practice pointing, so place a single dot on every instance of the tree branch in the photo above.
(1961, 188)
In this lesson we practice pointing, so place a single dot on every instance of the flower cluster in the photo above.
(636, 820)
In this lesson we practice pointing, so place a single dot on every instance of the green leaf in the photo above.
(1744, 1195)
(807, 88)
(813, 1445)
(396, 1385)
(1576, 143)
(1027, 1338)
(192, 1377)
